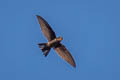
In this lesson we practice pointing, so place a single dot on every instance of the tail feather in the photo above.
(45, 49)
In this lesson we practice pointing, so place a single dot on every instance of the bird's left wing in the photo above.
(65, 54)
(46, 29)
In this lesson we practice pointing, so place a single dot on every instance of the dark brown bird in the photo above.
(53, 42)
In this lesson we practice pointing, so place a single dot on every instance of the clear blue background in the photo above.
(91, 32)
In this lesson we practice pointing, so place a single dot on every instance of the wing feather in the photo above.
(46, 29)
(65, 54)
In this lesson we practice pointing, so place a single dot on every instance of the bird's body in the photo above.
(53, 42)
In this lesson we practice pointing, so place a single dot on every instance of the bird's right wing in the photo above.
(65, 54)
(46, 29)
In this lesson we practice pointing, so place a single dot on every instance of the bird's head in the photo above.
(60, 38)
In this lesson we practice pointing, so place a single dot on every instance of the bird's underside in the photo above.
(53, 42)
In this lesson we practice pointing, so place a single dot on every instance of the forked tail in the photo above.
(45, 49)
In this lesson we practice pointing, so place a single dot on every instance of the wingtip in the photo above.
(74, 65)
(37, 16)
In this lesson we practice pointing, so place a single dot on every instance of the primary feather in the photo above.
(46, 29)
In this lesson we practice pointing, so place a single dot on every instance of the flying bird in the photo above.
(53, 42)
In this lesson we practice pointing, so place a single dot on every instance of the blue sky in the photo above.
(90, 30)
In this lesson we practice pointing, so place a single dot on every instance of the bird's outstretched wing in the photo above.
(65, 54)
(46, 29)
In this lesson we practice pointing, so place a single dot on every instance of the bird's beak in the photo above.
(60, 38)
